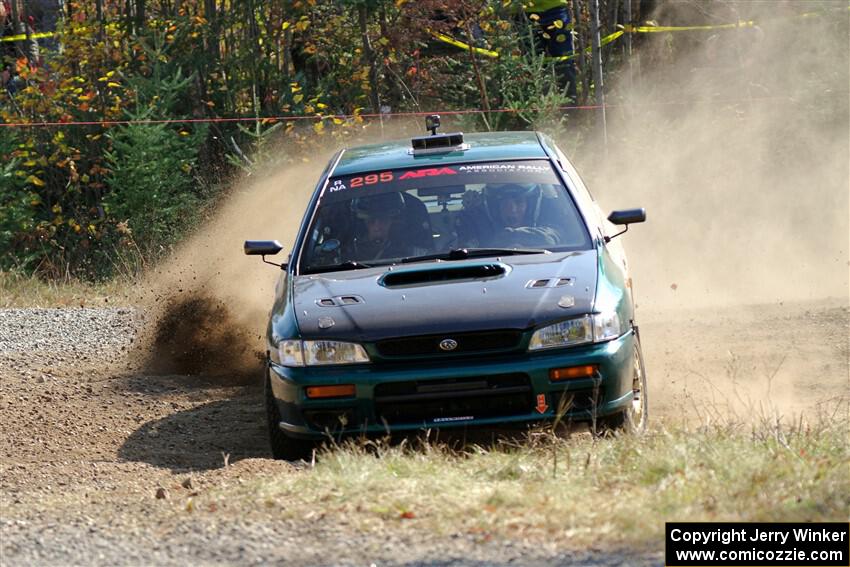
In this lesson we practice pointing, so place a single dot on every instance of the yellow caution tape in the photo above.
(457, 43)
(656, 29)
(452, 41)
(627, 28)
(604, 41)
(22, 37)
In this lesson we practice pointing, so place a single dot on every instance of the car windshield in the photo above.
(455, 211)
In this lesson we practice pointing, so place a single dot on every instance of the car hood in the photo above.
(426, 298)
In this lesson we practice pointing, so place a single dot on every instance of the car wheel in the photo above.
(283, 446)
(633, 419)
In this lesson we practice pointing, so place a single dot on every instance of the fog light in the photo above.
(339, 391)
(324, 420)
(572, 372)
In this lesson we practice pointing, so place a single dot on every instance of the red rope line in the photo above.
(273, 118)
(387, 115)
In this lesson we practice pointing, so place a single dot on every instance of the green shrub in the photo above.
(15, 202)
(151, 184)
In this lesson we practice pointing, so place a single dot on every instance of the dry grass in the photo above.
(576, 490)
(18, 290)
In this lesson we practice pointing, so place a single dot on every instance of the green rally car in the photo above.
(451, 281)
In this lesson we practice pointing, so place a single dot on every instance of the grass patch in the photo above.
(573, 491)
(18, 290)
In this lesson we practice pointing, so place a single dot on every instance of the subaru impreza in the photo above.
(451, 281)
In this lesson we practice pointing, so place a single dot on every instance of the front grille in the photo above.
(477, 397)
(482, 341)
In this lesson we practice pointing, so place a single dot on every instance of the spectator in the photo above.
(44, 17)
(11, 51)
(7, 48)
(553, 36)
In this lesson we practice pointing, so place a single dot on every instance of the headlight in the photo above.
(290, 353)
(319, 353)
(606, 326)
(590, 328)
(333, 352)
(565, 333)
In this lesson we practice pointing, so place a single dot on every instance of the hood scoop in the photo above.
(438, 275)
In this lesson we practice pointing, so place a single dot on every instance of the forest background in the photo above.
(168, 101)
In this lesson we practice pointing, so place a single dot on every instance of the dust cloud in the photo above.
(736, 142)
(207, 305)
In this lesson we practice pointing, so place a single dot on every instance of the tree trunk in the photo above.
(613, 15)
(257, 87)
(212, 18)
(582, 58)
(100, 22)
(482, 86)
(288, 66)
(28, 42)
(370, 58)
(627, 5)
(140, 15)
(596, 56)
(393, 89)
(128, 15)
(17, 25)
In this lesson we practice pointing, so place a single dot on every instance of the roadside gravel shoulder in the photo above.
(100, 465)
(83, 333)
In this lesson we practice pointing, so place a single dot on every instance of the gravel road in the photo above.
(80, 333)
(87, 443)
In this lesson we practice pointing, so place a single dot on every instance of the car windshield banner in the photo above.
(348, 187)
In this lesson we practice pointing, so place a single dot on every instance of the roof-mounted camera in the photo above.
(437, 143)
(432, 122)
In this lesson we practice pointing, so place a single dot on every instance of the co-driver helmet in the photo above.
(384, 205)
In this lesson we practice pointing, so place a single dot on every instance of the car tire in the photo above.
(634, 418)
(283, 446)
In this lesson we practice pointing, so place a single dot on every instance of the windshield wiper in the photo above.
(347, 265)
(465, 253)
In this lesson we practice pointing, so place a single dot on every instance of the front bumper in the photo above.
(526, 375)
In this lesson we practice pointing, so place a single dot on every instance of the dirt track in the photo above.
(86, 444)
(744, 206)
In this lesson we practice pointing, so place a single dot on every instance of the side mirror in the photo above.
(264, 248)
(627, 216)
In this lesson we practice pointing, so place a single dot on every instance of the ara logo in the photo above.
(430, 172)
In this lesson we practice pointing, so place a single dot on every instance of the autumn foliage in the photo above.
(145, 77)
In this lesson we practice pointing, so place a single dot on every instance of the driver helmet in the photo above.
(497, 192)
(385, 205)
(501, 191)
